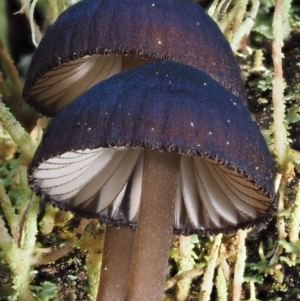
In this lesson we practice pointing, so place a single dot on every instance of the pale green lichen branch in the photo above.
(180, 276)
(233, 19)
(53, 255)
(280, 124)
(18, 258)
(236, 24)
(4, 90)
(48, 221)
(295, 156)
(239, 265)
(252, 291)
(11, 70)
(31, 21)
(295, 219)
(56, 7)
(213, 10)
(30, 230)
(221, 284)
(280, 222)
(245, 27)
(16, 131)
(258, 65)
(26, 10)
(207, 283)
(184, 257)
(20, 269)
(60, 6)
(5, 237)
(8, 209)
(93, 244)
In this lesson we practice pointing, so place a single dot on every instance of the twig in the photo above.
(11, 69)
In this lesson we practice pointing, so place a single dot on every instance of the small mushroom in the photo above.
(95, 39)
(179, 152)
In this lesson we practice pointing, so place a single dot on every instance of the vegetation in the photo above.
(46, 254)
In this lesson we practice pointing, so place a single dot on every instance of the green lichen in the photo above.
(246, 266)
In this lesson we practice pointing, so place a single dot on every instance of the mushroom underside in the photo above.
(108, 182)
(62, 84)
(173, 30)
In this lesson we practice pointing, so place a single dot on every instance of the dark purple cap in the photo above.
(69, 59)
(91, 158)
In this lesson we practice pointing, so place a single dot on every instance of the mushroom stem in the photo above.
(155, 226)
(117, 254)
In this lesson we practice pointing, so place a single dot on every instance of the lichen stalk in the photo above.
(53, 255)
(221, 285)
(183, 275)
(240, 264)
(207, 283)
(280, 221)
(11, 69)
(280, 125)
(295, 219)
(16, 131)
(245, 27)
(18, 258)
(5, 238)
(4, 90)
(9, 211)
(185, 261)
(92, 242)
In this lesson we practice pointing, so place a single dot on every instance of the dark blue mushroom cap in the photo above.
(171, 107)
(171, 29)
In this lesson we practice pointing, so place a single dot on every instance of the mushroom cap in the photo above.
(99, 139)
(70, 53)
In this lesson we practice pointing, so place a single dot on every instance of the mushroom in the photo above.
(179, 152)
(95, 39)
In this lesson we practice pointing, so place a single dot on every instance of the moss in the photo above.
(38, 234)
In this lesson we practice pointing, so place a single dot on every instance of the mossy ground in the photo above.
(272, 264)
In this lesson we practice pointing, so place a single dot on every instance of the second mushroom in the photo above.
(178, 153)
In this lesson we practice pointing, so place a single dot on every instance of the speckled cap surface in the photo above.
(168, 106)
